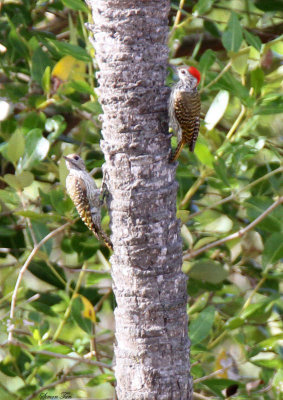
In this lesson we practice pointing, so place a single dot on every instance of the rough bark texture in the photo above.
(152, 349)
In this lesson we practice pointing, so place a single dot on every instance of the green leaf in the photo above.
(77, 5)
(20, 181)
(273, 363)
(208, 271)
(252, 40)
(271, 104)
(202, 6)
(46, 79)
(231, 84)
(214, 222)
(257, 79)
(66, 245)
(33, 120)
(55, 277)
(9, 197)
(199, 303)
(40, 61)
(272, 222)
(218, 385)
(203, 153)
(59, 202)
(232, 38)
(36, 216)
(273, 249)
(234, 323)
(199, 329)
(77, 313)
(59, 349)
(16, 147)
(221, 171)
(240, 62)
(64, 48)
(267, 5)
(270, 343)
(255, 309)
(183, 215)
(212, 28)
(95, 278)
(206, 61)
(18, 44)
(6, 395)
(26, 390)
(40, 230)
(93, 107)
(7, 367)
(81, 87)
(36, 149)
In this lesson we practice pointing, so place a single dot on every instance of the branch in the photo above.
(30, 300)
(58, 382)
(23, 269)
(200, 396)
(219, 371)
(84, 360)
(178, 17)
(205, 174)
(235, 235)
(218, 76)
(234, 195)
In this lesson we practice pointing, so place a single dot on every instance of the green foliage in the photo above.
(49, 108)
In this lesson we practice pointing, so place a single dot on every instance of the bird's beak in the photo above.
(67, 159)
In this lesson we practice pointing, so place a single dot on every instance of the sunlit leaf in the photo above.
(203, 153)
(217, 109)
(20, 181)
(208, 271)
(69, 68)
(240, 62)
(36, 149)
(277, 381)
(77, 5)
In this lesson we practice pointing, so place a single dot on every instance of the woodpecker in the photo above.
(184, 109)
(85, 196)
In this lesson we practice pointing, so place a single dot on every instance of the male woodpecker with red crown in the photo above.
(184, 109)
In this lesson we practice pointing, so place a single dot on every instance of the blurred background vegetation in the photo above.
(49, 108)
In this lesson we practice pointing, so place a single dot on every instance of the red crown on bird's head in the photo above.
(195, 72)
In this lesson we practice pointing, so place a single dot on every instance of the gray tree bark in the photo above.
(152, 345)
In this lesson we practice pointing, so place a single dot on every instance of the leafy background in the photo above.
(49, 108)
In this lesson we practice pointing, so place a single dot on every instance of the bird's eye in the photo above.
(76, 158)
(182, 71)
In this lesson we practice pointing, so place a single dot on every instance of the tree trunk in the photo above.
(152, 349)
